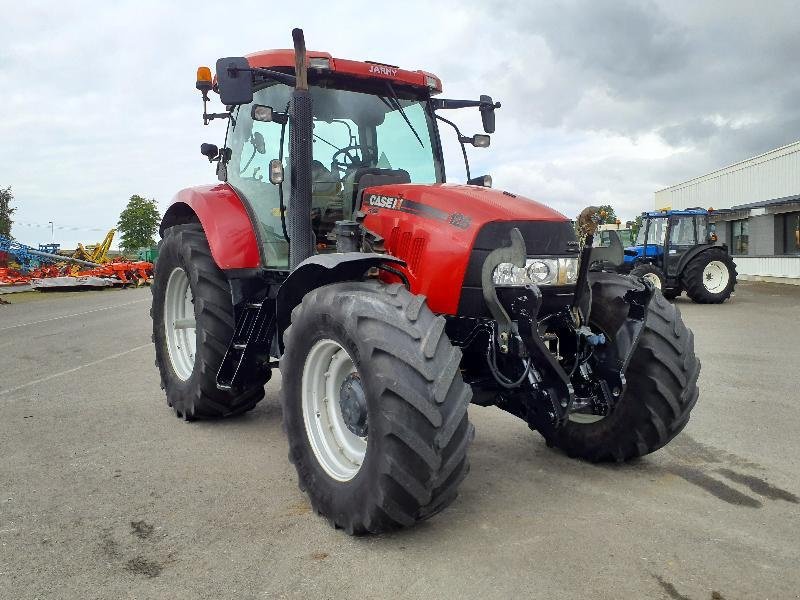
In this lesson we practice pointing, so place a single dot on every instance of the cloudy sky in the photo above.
(603, 102)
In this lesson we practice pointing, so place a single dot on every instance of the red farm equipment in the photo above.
(334, 250)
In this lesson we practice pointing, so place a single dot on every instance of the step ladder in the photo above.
(249, 348)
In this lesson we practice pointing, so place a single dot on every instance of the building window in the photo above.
(740, 233)
(791, 233)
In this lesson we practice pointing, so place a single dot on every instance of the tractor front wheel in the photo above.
(661, 385)
(650, 273)
(193, 323)
(374, 406)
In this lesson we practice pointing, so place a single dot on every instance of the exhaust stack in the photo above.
(302, 243)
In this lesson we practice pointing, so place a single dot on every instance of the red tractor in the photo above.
(391, 298)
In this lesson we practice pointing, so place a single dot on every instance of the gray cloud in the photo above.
(602, 101)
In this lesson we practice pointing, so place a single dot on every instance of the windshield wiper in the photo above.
(402, 112)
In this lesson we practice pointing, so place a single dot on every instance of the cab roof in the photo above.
(669, 213)
(271, 59)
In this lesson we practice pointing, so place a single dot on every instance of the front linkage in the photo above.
(540, 365)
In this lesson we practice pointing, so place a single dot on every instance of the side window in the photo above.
(253, 144)
(682, 232)
(702, 229)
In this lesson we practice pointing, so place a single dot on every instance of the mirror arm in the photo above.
(460, 141)
(276, 75)
(445, 104)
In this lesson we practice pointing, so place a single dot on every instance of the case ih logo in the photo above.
(385, 201)
(383, 70)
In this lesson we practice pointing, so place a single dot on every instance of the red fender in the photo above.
(225, 221)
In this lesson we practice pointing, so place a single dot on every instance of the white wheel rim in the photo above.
(179, 324)
(716, 276)
(654, 279)
(339, 451)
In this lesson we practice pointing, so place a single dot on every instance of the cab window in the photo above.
(682, 232)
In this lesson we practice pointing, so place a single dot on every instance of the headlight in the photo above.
(541, 271)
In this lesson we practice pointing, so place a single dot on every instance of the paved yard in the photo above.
(105, 494)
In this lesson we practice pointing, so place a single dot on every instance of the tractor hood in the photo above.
(462, 205)
(444, 232)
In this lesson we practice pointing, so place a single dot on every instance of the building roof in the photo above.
(753, 159)
(769, 203)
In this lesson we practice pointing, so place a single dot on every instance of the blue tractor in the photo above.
(677, 250)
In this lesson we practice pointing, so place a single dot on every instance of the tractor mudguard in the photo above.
(225, 220)
(627, 300)
(690, 254)
(320, 270)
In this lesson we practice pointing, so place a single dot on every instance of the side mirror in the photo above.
(234, 81)
(478, 140)
(210, 151)
(482, 181)
(487, 113)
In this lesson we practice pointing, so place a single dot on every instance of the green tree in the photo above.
(138, 223)
(606, 214)
(636, 225)
(6, 197)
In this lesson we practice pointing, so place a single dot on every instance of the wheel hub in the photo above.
(353, 403)
(715, 276)
(334, 409)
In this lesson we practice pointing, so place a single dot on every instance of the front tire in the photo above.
(661, 387)
(193, 323)
(371, 364)
(710, 277)
(650, 273)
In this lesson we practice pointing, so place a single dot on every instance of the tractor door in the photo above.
(682, 238)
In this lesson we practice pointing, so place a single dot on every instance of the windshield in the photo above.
(353, 131)
(656, 232)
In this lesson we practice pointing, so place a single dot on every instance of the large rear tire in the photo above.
(193, 322)
(661, 388)
(710, 277)
(374, 406)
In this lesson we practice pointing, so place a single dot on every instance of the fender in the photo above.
(320, 270)
(689, 255)
(225, 220)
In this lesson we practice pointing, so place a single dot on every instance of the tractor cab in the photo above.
(372, 124)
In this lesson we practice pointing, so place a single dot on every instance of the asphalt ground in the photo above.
(105, 494)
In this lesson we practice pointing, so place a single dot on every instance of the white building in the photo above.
(762, 224)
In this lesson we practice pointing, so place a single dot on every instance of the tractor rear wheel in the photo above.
(660, 393)
(193, 323)
(374, 406)
(710, 277)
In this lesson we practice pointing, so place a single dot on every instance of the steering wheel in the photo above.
(346, 158)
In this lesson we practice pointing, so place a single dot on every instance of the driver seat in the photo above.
(368, 177)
